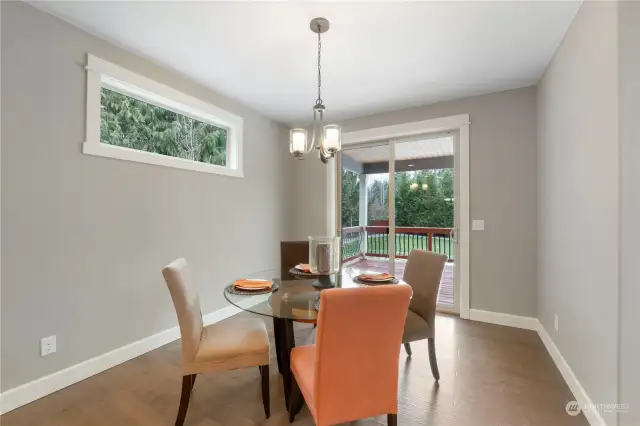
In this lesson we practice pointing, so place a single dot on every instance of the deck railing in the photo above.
(352, 242)
(359, 241)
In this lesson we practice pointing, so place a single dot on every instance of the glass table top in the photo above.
(295, 297)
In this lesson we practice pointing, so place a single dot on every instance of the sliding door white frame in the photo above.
(459, 124)
(464, 233)
(391, 239)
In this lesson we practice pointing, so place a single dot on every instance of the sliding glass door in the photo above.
(398, 196)
(424, 206)
(365, 207)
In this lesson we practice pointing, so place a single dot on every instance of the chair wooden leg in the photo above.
(295, 400)
(193, 381)
(407, 348)
(432, 359)
(392, 420)
(264, 375)
(187, 385)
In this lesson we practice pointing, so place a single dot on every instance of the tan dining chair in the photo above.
(224, 346)
(423, 273)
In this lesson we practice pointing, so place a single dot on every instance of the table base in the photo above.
(285, 342)
(323, 282)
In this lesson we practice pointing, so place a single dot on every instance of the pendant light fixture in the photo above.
(326, 138)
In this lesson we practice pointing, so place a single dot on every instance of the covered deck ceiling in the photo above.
(414, 155)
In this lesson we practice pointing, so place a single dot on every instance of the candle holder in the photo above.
(324, 260)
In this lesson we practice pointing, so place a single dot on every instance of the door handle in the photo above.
(454, 235)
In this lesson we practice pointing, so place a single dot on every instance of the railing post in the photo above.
(363, 240)
(430, 241)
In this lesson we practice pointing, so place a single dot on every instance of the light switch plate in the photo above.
(477, 225)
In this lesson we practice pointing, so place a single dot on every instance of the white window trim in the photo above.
(101, 73)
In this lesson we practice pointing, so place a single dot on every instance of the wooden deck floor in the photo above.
(445, 294)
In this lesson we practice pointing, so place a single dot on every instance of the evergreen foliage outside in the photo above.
(131, 123)
(423, 198)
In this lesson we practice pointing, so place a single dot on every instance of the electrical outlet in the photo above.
(555, 321)
(47, 345)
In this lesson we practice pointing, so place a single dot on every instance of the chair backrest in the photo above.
(358, 343)
(293, 252)
(187, 303)
(423, 273)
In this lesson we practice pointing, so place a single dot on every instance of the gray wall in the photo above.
(629, 73)
(84, 238)
(308, 183)
(503, 193)
(578, 202)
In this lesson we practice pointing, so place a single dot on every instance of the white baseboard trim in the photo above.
(593, 417)
(29, 392)
(528, 323)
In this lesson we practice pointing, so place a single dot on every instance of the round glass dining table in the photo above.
(295, 300)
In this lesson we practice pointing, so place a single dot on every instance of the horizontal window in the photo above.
(130, 117)
(128, 122)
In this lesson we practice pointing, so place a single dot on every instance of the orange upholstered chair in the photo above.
(351, 372)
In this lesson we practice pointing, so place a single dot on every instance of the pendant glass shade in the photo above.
(298, 142)
(332, 138)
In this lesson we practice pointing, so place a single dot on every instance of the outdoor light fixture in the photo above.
(414, 186)
(327, 139)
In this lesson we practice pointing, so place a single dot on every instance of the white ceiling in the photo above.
(440, 147)
(376, 57)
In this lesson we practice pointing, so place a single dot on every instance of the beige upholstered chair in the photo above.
(423, 273)
(218, 347)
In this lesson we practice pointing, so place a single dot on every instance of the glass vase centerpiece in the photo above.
(324, 259)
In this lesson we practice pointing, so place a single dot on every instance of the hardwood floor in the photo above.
(490, 376)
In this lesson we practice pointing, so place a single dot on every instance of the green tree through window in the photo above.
(350, 196)
(131, 123)
(423, 198)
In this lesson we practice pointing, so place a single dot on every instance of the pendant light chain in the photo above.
(326, 138)
(319, 100)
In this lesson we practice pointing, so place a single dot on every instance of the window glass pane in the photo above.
(128, 122)
(350, 198)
